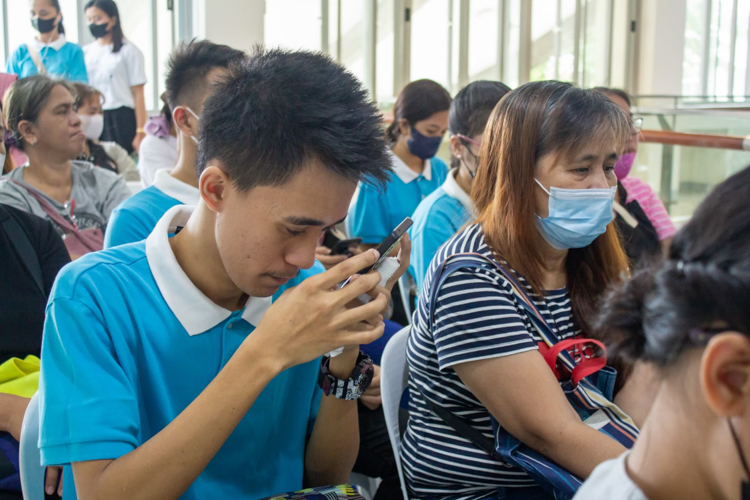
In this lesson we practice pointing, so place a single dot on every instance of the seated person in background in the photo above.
(419, 124)
(480, 356)
(106, 154)
(32, 253)
(174, 367)
(449, 207)
(69, 193)
(689, 319)
(159, 149)
(191, 71)
(654, 229)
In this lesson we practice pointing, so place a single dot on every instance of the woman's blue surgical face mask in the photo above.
(422, 146)
(576, 216)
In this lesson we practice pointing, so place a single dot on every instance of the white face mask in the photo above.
(92, 126)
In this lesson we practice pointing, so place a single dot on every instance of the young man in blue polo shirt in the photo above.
(191, 70)
(190, 367)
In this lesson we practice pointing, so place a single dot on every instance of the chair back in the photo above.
(394, 375)
(30, 458)
(405, 285)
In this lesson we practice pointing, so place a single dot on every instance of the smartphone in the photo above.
(389, 243)
(342, 246)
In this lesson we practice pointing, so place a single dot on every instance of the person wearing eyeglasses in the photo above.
(641, 217)
(440, 215)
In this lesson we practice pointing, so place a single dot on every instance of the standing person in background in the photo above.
(654, 230)
(109, 155)
(116, 68)
(159, 148)
(419, 123)
(446, 210)
(49, 52)
(193, 68)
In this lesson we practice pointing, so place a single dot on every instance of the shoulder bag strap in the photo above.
(22, 246)
(37, 58)
(53, 214)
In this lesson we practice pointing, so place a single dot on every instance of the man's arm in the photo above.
(304, 323)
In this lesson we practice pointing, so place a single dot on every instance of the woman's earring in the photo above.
(458, 156)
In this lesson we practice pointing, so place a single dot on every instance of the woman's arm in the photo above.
(140, 115)
(521, 392)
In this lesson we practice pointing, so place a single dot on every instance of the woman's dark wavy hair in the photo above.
(705, 283)
(110, 8)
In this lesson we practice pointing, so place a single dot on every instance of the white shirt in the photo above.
(610, 481)
(406, 174)
(113, 74)
(175, 188)
(156, 154)
(452, 189)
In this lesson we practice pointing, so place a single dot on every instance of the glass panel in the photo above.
(596, 51)
(352, 36)
(567, 69)
(333, 29)
(19, 24)
(718, 70)
(165, 38)
(512, 39)
(544, 30)
(136, 24)
(741, 47)
(293, 24)
(692, 63)
(483, 40)
(429, 40)
(384, 51)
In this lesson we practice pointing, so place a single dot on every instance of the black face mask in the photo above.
(745, 487)
(43, 25)
(98, 30)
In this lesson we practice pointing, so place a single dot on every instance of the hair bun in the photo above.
(620, 321)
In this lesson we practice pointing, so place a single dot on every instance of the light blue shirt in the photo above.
(440, 216)
(135, 218)
(130, 342)
(374, 214)
(61, 59)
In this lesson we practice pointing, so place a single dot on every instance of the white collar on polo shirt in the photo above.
(196, 312)
(57, 44)
(406, 174)
(452, 189)
(175, 188)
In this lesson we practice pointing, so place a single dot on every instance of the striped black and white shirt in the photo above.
(476, 317)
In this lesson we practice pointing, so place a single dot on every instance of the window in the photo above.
(717, 44)
(385, 62)
(484, 44)
(293, 24)
(430, 49)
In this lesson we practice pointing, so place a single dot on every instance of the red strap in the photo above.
(583, 369)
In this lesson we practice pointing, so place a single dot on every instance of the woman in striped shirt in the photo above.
(543, 193)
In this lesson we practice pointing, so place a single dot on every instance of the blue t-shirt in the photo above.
(436, 220)
(130, 342)
(375, 214)
(135, 218)
(62, 59)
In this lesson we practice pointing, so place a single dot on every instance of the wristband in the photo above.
(351, 388)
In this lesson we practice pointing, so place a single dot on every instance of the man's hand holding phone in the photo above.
(317, 316)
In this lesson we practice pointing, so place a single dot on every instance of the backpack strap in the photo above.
(22, 246)
(37, 58)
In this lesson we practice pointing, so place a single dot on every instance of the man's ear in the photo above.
(725, 374)
(181, 118)
(214, 185)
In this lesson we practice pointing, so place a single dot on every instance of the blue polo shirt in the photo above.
(62, 59)
(374, 214)
(130, 342)
(436, 220)
(135, 218)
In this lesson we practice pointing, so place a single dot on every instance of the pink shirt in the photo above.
(651, 205)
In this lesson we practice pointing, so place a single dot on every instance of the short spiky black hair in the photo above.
(188, 65)
(278, 109)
